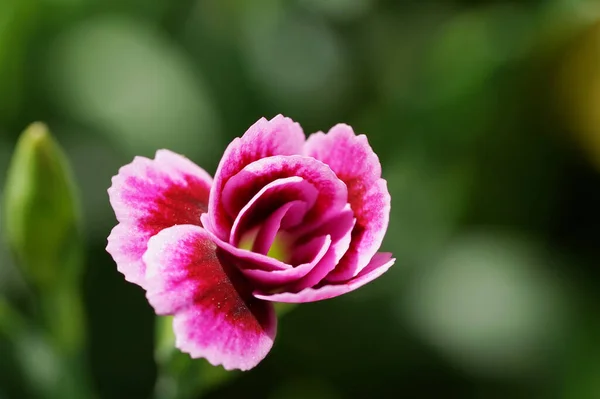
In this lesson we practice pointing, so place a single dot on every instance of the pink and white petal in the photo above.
(273, 196)
(216, 317)
(332, 192)
(340, 229)
(278, 136)
(316, 274)
(258, 261)
(372, 214)
(316, 249)
(380, 263)
(348, 155)
(356, 164)
(148, 196)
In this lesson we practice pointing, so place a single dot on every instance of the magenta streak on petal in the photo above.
(380, 263)
(266, 235)
(332, 192)
(148, 196)
(279, 136)
(354, 162)
(340, 229)
(315, 249)
(216, 316)
(259, 261)
(271, 197)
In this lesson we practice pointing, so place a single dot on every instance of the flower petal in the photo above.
(268, 231)
(380, 263)
(332, 192)
(373, 210)
(354, 162)
(315, 250)
(348, 155)
(278, 136)
(270, 197)
(259, 261)
(148, 196)
(340, 230)
(216, 316)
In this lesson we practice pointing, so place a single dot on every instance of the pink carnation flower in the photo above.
(286, 219)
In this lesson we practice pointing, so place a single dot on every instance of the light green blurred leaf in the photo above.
(137, 87)
(296, 60)
(428, 201)
(343, 10)
(472, 45)
(17, 20)
(582, 376)
(490, 304)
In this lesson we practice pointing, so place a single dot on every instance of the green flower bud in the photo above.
(41, 212)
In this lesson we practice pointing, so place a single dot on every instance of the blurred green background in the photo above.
(486, 118)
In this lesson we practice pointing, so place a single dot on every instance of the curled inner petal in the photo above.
(270, 230)
(313, 250)
(332, 193)
(259, 261)
(340, 230)
(380, 263)
(271, 197)
(269, 239)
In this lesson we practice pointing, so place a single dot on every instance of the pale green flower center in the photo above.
(280, 248)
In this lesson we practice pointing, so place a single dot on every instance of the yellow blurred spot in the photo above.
(579, 90)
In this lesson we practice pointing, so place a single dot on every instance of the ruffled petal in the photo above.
(278, 136)
(380, 263)
(216, 317)
(315, 250)
(149, 196)
(267, 232)
(354, 162)
(373, 214)
(348, 155)
(273, 196)
(340, 230)
(332, 193)
(259, 261)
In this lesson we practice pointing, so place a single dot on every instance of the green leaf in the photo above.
(18, 19)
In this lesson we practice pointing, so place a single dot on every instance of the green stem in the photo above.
(54, 375)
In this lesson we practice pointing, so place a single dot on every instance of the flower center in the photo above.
(279, 249)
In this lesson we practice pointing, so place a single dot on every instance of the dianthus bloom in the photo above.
(286, 219)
